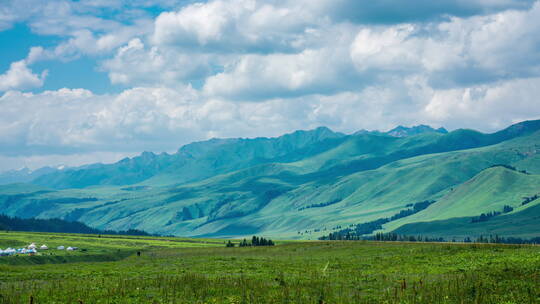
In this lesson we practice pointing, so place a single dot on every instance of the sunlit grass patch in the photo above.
(205, 271)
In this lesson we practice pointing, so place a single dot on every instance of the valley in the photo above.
(303, 185)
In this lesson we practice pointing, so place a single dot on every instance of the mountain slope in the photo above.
(402, 131)
(301, 185)
(55, 225)
(201, 160)
(196, 161)
(488, 191)
(524, 222)
(24, 175)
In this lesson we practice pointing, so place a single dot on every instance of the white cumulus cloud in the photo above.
(20, 77)
(261, 68)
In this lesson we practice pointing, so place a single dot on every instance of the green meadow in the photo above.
(179, 270)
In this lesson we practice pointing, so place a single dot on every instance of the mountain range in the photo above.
(305, 184)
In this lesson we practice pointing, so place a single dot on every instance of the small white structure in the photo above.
(32, 246)
(12, 251)
(9, 251)
(61, 248)
(70, 249)
(43, 247)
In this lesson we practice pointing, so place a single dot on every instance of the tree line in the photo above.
(358, 230)
(394, 237)
(529, 199)
(321, 204)
(57, 225)
(484, 217)
(510, 168)
(255, 241)
(492, 239)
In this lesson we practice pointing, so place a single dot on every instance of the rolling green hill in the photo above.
(301, 185)
(489, 191)
(524, 223)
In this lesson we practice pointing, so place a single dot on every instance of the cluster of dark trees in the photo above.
(393, 237)
(417, 207)
(502, 240)
(509, 167)
(57, 225)
(529, 199)
(321, 204)
(349, 235)
(494, 239)
(255, 241)
(486, 216)
(507, 209)
(356, 231)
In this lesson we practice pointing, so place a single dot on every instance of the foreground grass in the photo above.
(93, 248)
(314, 272)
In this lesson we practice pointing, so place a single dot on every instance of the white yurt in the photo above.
(61, 248)
(69, 249)
(32, 246)
(43, 247)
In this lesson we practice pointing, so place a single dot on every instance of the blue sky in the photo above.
(94, 80)
(76, 73)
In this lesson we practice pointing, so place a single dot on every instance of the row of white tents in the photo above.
(33, 246)
(12, 251)
(68, 249)
(31, 249)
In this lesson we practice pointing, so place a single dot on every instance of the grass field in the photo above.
(174, 270)
(92, 248)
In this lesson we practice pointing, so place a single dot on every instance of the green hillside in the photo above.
(525, 222)
(488, 191)
(302, 185)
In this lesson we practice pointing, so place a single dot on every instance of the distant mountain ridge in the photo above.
(196, 160)
(303, 185)
(24, 175)
(401, 131)
(133, 170)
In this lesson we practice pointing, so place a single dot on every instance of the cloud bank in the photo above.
(246, 68)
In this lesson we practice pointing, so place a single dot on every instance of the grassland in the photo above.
(204, 271)
(92, 248)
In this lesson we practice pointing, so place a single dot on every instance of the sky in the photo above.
(98, 80)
